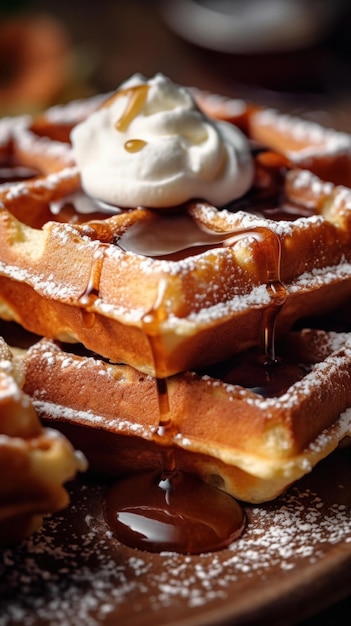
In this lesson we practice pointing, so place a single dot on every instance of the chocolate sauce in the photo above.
(168, 509)
(177, 236)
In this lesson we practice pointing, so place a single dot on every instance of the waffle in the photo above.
(208, 305)
(232, 437)
(274, 256)
(35, 462)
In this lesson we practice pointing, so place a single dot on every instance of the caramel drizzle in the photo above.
(134, 145)
(136, 97)
(91, 292)
(167, 429)
(275, 287)
(165, 487)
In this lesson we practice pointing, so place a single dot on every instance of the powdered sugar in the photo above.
(47, 284)
(73, 415)
(11, 125)
(43, 146)
(76, 110)
(217, 104)
(18, 190)
(314, 138)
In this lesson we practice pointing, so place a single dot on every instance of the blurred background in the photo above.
(292, 54)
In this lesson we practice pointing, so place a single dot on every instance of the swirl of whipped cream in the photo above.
(150, 145)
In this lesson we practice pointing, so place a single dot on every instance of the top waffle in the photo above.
(278, 252)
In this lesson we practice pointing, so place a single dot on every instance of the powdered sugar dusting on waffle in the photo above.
(12, 125)
(322, 140)
(19, 130)
(59, 412)
(51, 181)
(257, 296)
(43, 146)
(76, 110)
(321, 276)
(318, 194)
(305, 179)
(47, 284)
(217, 103)
(334, 351)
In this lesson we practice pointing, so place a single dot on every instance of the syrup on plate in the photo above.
(168, 509)
(178, 512)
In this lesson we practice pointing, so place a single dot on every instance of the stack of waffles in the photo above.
(234, 305)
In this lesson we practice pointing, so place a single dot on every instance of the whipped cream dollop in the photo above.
(150, 145)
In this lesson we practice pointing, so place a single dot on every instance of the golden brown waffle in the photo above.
(250, 446)
(268, 260)
(306, 144)
(35, 462)
(165, 315)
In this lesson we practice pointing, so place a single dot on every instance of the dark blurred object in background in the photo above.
(253, 26)
(291, 46)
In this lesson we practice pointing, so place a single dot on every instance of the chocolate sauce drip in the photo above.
(173, 236)
(168, 509)
(177, 236)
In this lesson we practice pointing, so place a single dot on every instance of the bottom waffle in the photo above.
(35, 462)
(250, 446)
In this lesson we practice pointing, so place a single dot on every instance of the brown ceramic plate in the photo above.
(293, 560)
